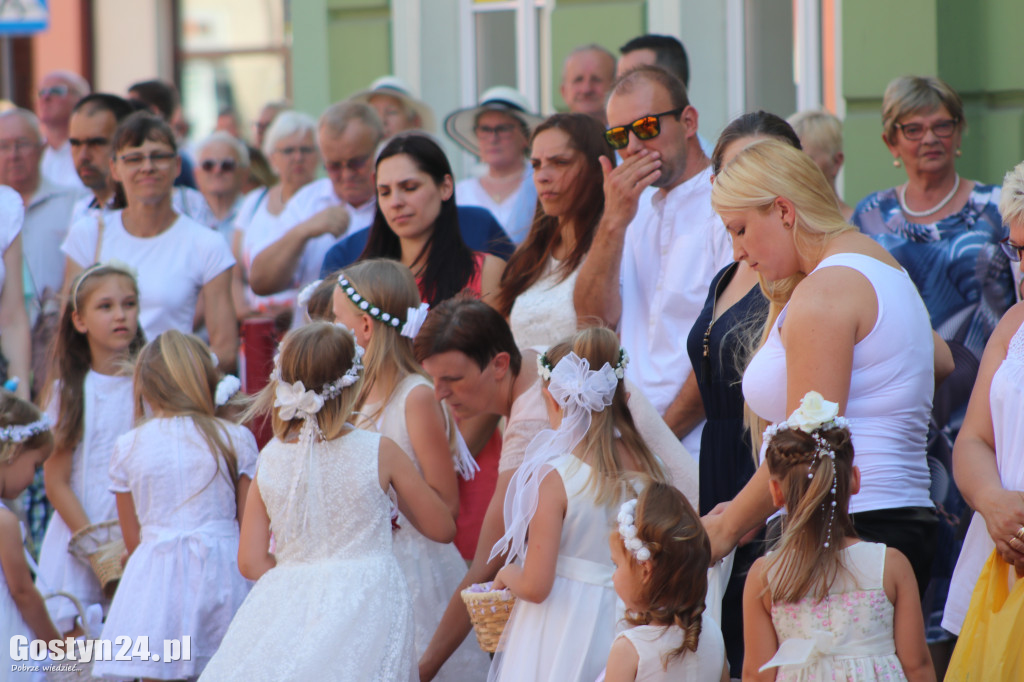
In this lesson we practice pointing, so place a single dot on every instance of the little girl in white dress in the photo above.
(331, 603)
(397, 400)
(566, 495)
(661, 556)
(825, 605)
(180, 479)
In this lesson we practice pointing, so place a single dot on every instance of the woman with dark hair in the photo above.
(417, 223)
(177, 259)
(538, 283)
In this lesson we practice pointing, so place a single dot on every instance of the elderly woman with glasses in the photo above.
(177, 260)
(290, 146)
(222, 167)
(498, 131)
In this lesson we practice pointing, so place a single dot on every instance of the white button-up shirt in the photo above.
(672, 250)
(307, 202)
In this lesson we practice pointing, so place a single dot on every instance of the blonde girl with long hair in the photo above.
(378, 300)
(180, 479)
(331, 601)
(89, 400)
(564, 498)
(845, 320)
(825, 605)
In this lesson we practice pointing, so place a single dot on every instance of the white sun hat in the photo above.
(393, 86)
(460, 124)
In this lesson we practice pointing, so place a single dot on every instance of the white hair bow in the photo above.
(572, 380)
(415, 317)
(293, 400)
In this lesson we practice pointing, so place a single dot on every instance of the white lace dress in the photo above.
(566, 638)
(433, 570)
(1006, 402)
(848, 635)
(182, 579)
(107, 416)
(336, 606)
(544, 314)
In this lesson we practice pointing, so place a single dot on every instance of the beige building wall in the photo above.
(133, 41)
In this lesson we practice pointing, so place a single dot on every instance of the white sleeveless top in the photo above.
(654, 644)
(891, 388)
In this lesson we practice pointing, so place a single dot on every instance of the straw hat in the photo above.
(393, 86)
(460, 124)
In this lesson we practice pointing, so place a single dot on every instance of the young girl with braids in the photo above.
(331, 601)
(25, 443)
(89, 399)
(180, 479)
(377, 299)
(825, 605)
(566, 495)
(661, 555)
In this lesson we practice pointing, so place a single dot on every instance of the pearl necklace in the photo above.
(937, 207)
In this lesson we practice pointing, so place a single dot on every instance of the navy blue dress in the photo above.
(726, 458)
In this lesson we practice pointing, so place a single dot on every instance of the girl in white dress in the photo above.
(661, 556)
(397, 400)
(331, 602)
(89, 400)
(25, 442)
(825, 605)
(180, 479)
(566, 495)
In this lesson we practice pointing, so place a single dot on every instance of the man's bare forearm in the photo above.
(597, 286)
(274, 267)
(686, 410)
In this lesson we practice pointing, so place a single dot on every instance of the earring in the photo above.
(958, 152)
(896, 163)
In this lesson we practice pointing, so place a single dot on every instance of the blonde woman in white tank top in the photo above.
(785, 222)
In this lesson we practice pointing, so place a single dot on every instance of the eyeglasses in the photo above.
(54, 91)
(303, 150)
(1013, 251)
(88, 142)
(355, 165)
(158, 159)
(18, 145)
(916, 131)
(498, 130)
(226, 165)
(645, 128)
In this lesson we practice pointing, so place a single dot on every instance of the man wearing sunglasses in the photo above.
(58, 93)
(648, 273)
(325, 209)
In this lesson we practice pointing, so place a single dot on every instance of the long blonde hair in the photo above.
(600, 345)
(762, 172)
(175, 375)
(389, 286)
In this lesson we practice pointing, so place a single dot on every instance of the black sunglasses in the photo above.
(226, 165)
(645, 128)
(1013, 251)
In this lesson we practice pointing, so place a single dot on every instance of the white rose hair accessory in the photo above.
(19, 433)
(307, 292)
(579, 391)
(227, 387)
(627, 529)
(815, 415)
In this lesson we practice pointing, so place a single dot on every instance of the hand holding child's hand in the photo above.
(498, 583)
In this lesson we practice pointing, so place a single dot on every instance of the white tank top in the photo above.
(891, 389)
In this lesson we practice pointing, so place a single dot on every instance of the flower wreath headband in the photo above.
(414, 317)
(815, 415)
(544, 366)
(19, 433)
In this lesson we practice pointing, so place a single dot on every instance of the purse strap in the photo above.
(100, 224)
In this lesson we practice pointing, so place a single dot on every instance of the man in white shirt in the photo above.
(325, 209)
(649, 274)
(59, 91)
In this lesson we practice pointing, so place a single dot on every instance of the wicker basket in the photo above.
(83, 671)
(489, 611)
(102, 546)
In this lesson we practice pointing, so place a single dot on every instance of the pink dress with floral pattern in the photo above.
(848, 636)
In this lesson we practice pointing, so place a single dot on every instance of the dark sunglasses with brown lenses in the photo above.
(645, 128)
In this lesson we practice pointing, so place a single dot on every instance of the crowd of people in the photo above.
(703, 419)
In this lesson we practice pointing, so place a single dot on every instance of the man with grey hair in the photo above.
(587, 74)
(325, 209)
(59, 91)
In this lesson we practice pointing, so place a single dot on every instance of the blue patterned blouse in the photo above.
(961, 272)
